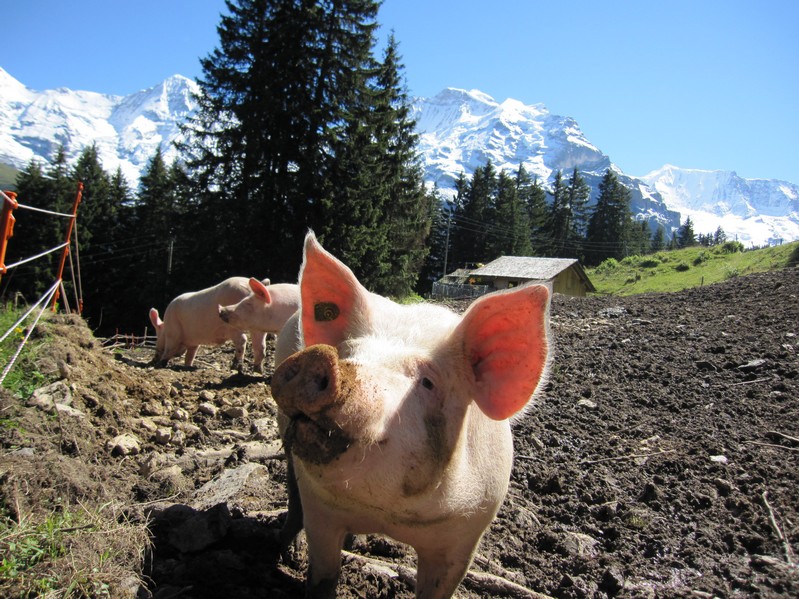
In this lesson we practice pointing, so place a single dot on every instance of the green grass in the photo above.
(66, 552)
(690, 267)
(24, 377)
(8, 177)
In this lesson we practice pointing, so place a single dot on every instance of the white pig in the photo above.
(395, 417)
(265, 310)
(191, 320)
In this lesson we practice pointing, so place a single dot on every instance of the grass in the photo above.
(8, 177)
(67, 553)
(24, 377)
(690, 267)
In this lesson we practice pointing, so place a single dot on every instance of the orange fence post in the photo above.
(7, 226)
(78, 196)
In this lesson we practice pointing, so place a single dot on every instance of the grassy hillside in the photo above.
(8, 177)
(690, 267)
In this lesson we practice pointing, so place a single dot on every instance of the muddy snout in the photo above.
(307, 382)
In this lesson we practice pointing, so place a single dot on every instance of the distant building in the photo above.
(565, 274)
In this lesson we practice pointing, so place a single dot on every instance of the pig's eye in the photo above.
(427, 383)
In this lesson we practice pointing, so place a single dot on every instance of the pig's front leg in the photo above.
(440, 569)
(258, 350)
(325, 539)
(239, 339)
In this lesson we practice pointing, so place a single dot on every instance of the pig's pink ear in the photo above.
(260, 290)
(330, 296)
(155, 319)
(504, 337)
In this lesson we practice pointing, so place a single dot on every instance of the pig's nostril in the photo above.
(323, 383)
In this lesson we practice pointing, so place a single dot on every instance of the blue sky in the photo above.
(707, 84)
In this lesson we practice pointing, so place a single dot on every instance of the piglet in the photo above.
(265, 310)
(395, 417)
(191, 320)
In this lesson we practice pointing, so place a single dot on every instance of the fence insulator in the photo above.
(7, 221)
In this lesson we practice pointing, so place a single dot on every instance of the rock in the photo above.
(201, 530)
(235, 412)
(586, 403)
(153, 408)
(208, 409)
(227, 485)
(206, 395)
(163, 436)
(180, 414)
(46, 398)
(578, 545)
(264, 429)
(753, 365)
(65, 410)
(124, 445)
(188, 429)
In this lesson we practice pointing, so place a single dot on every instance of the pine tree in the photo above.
(534, 197)
(34, 233)
(658, 239)
(410, 207)
(439, 259)
(158, 223)
(609, 222)
(510, 235)
(475, 212)
(685, 234)
(277, 95)
(559, 219)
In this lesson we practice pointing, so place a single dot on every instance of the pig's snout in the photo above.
(307, 389)
(307, 382)
(224, 313)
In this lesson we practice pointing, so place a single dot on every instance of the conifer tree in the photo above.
(475, 213)
(34, 233)
(277, 96)
(157, 222)
(511, 232)
(534, 197)
(658, 239)
(559, 217)
(685, 234)
(609, 222)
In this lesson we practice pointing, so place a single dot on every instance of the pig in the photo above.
(191, 320)
(265, 310)
(395, 418)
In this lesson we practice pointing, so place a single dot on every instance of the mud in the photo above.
(662, 460)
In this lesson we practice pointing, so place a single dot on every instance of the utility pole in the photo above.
(446, 245)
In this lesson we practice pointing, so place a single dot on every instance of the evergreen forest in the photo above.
(302, 124)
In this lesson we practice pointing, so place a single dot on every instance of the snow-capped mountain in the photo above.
(127, 130)
(459, 130)
(756, 210)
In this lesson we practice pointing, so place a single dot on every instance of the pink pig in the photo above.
(191, 320)
(265, 310)
(395, 417)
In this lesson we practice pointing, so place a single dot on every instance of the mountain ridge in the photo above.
(458, 131)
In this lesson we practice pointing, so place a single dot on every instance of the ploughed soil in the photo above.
(661, 460)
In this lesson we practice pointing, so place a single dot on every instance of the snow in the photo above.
(459, 130)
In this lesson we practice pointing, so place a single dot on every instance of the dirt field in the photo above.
(662, 461)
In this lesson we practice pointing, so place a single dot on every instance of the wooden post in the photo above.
(78, 196)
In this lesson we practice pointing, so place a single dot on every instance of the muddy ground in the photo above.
(661, 461)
